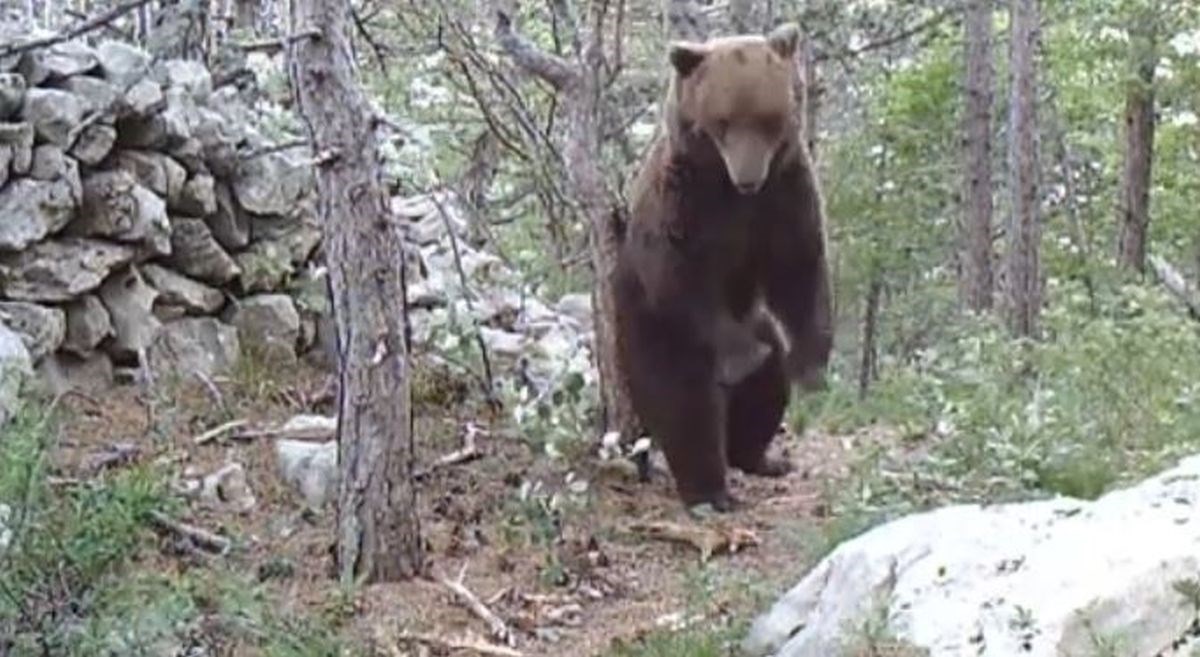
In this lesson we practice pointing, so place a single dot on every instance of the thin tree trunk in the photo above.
(685, 21)
(1139, 148)
(868, 369)
(378, 531)
(975, 276)
(1022, 270)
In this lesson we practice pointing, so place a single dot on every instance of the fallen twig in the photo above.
(217, 432)
(468, 452)
(197, 535)
(94, 23)
(311, 431)
(708, 540)
(496, 625)
(479, 647)
(279, 43)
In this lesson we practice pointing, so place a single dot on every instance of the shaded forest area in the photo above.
(418, 443)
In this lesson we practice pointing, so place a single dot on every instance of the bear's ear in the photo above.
(686, 56)
(784, 39)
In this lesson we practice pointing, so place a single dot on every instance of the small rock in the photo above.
(12, 94)
(63, 372)
(50, 163)
(268, 321)
(164, 130)
(130, 304)
(53, 113)
(42, 329)
(218, 141)
(230, 226)
(58, 62)
(6, 157)
(20, 137)
(32, 210)
(98, 96)
(265, 266)
(228, 488)
(310, 468)
(198, 255)
(300, 232)
(155, 171)
(88, 324)
(190, 153)
(178, 291)
(145, 99)
(95, 142)
(189, 75)
(195, 344)
(272, 184)
(198, 198)
(117, 207)
(60, 270)
(121, 63)
(15, 369)
(576, 306)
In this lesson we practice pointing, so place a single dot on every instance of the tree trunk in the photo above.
(975, 275)
(685, 21)
(868, 369)
(1139, 149)
(1022, 271)
(378, 531)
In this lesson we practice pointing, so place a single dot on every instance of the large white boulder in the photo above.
(1053, 578)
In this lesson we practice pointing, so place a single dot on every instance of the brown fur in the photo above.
(704, 262)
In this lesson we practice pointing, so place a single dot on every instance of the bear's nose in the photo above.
(747, 188)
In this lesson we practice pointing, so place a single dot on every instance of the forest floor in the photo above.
(570, 568)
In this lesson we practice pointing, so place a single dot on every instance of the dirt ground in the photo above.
(559, 551)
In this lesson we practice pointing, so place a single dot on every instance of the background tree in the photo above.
(1134, 206)
(975, 273)
(378, 527)
(1022, 270)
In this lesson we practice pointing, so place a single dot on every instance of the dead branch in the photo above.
(1176, 284)
(217, 432)
(312, 432)
(276, 44)
(892, 39)
(197, 535)
(708, 540)
(496, 625)
(275, 148)
(478, 647)
(89, 25)
(554, 70)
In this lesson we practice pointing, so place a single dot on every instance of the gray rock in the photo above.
(60, 270)
(90, 374)
(145, 99)
(6, 157)
(230, 226)
(299, 232)
(95, 142)
(267, 321)
(121, 63)
(189, 75)
(309, 468)
(42, 329)
(117, 207)
(165, 130)
(12, 94)
(88, 325)
(20, 137)
(57, 62)
(1045, 578)
(32, 210)
(227, 488)
(197, 254)
(198, 198)
(190, 153)
(53, 113)
(155, 171)
(15, 369)
(218, 141)
(266, 266)
(576, 306)
(272, 184)
(178, 291)
(202, 345)
(96, 94)
(50, 163)
(130, 304)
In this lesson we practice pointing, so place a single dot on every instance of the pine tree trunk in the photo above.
(1022, 271)
(378, 532)
(975, 275)
(1139, 150)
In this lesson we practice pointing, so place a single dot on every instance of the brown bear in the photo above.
(724, 250)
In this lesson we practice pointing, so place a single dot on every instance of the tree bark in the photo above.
(685, 21)
(975, 275)
(1022, 270)
(1139, 148)
(378, 531)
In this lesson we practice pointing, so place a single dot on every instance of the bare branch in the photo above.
(554, 70)
(279, 43)
(892, 39)
(94, 23)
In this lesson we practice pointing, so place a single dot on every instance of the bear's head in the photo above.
(736, 94)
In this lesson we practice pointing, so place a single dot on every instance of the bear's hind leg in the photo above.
(756, 407)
